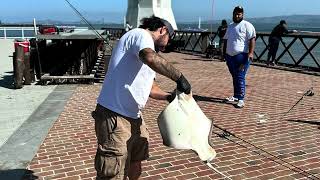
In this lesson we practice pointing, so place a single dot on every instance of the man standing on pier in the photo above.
(275, 38)
(222, 29)
(120, 129)
(238, 51)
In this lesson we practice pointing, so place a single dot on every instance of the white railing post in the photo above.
(22, 32)
(35, 27)
(5, 33)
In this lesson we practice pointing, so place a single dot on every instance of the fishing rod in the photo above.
(227, 134)
(309, 92)
(89, 24)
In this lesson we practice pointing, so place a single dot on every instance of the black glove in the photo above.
(171, 96)
(183, 85)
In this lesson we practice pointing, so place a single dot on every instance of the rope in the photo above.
(216, 170)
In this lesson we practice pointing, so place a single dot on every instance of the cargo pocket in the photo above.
(107, 166)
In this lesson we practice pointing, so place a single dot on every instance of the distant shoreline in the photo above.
(260, 27)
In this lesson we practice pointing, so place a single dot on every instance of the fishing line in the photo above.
(212, 16)
(89, 24)
(227, 133)
(216, 170)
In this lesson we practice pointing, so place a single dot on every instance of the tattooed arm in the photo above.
(159, 64)
(163, 67)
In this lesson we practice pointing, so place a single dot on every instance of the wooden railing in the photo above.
(299, 50)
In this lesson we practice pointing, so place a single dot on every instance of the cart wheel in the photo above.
(44, 82)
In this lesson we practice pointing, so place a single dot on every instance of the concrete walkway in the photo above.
(26, 115)
(16, 105)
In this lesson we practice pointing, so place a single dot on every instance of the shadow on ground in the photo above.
(198, 59)
(209, 99)
(7, 81)
(313, 122)
(214, 100)
(17, 174)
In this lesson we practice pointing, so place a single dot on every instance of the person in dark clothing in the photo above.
(222, 29)
(274, 40)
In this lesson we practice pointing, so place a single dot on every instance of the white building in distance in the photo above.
(138, 9)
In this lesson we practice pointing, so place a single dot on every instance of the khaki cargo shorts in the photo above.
(121, 140)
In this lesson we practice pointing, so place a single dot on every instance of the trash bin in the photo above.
(24, 43)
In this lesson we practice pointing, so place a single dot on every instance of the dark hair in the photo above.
(238, 9)
(224, 22)
(283, 22)
(151, 23)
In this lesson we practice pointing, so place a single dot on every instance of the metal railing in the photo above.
(17, 32)
(25, 31)
(296, 50)
(114, 33)
(300, 50)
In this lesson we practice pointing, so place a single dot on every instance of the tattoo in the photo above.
(159, 64)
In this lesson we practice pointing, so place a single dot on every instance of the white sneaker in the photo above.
(240, 104)
(231, 99)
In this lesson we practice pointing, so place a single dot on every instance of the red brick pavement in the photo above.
(290, 145)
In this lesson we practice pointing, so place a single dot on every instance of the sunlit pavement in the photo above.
(271, 142)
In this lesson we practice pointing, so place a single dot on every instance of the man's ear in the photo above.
(163, 30)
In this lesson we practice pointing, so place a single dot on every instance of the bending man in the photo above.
(121, 132)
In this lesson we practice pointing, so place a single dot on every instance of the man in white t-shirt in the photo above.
(121, 132)
(238, 51)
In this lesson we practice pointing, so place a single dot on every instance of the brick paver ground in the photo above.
(289, 143)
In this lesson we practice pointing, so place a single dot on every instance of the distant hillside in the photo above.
(299, 22)
(265, 24)
(293, 19)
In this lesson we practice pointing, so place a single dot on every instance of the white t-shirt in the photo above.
(238, 36)
(128, 82)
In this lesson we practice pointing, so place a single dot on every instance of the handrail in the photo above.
(23, 28)
(298, 50)
(6, 29)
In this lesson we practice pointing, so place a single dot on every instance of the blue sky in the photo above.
(184, 10)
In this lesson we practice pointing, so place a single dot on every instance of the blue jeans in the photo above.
(238, 75)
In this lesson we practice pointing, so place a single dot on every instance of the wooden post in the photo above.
(27, 69)
(18, 67)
